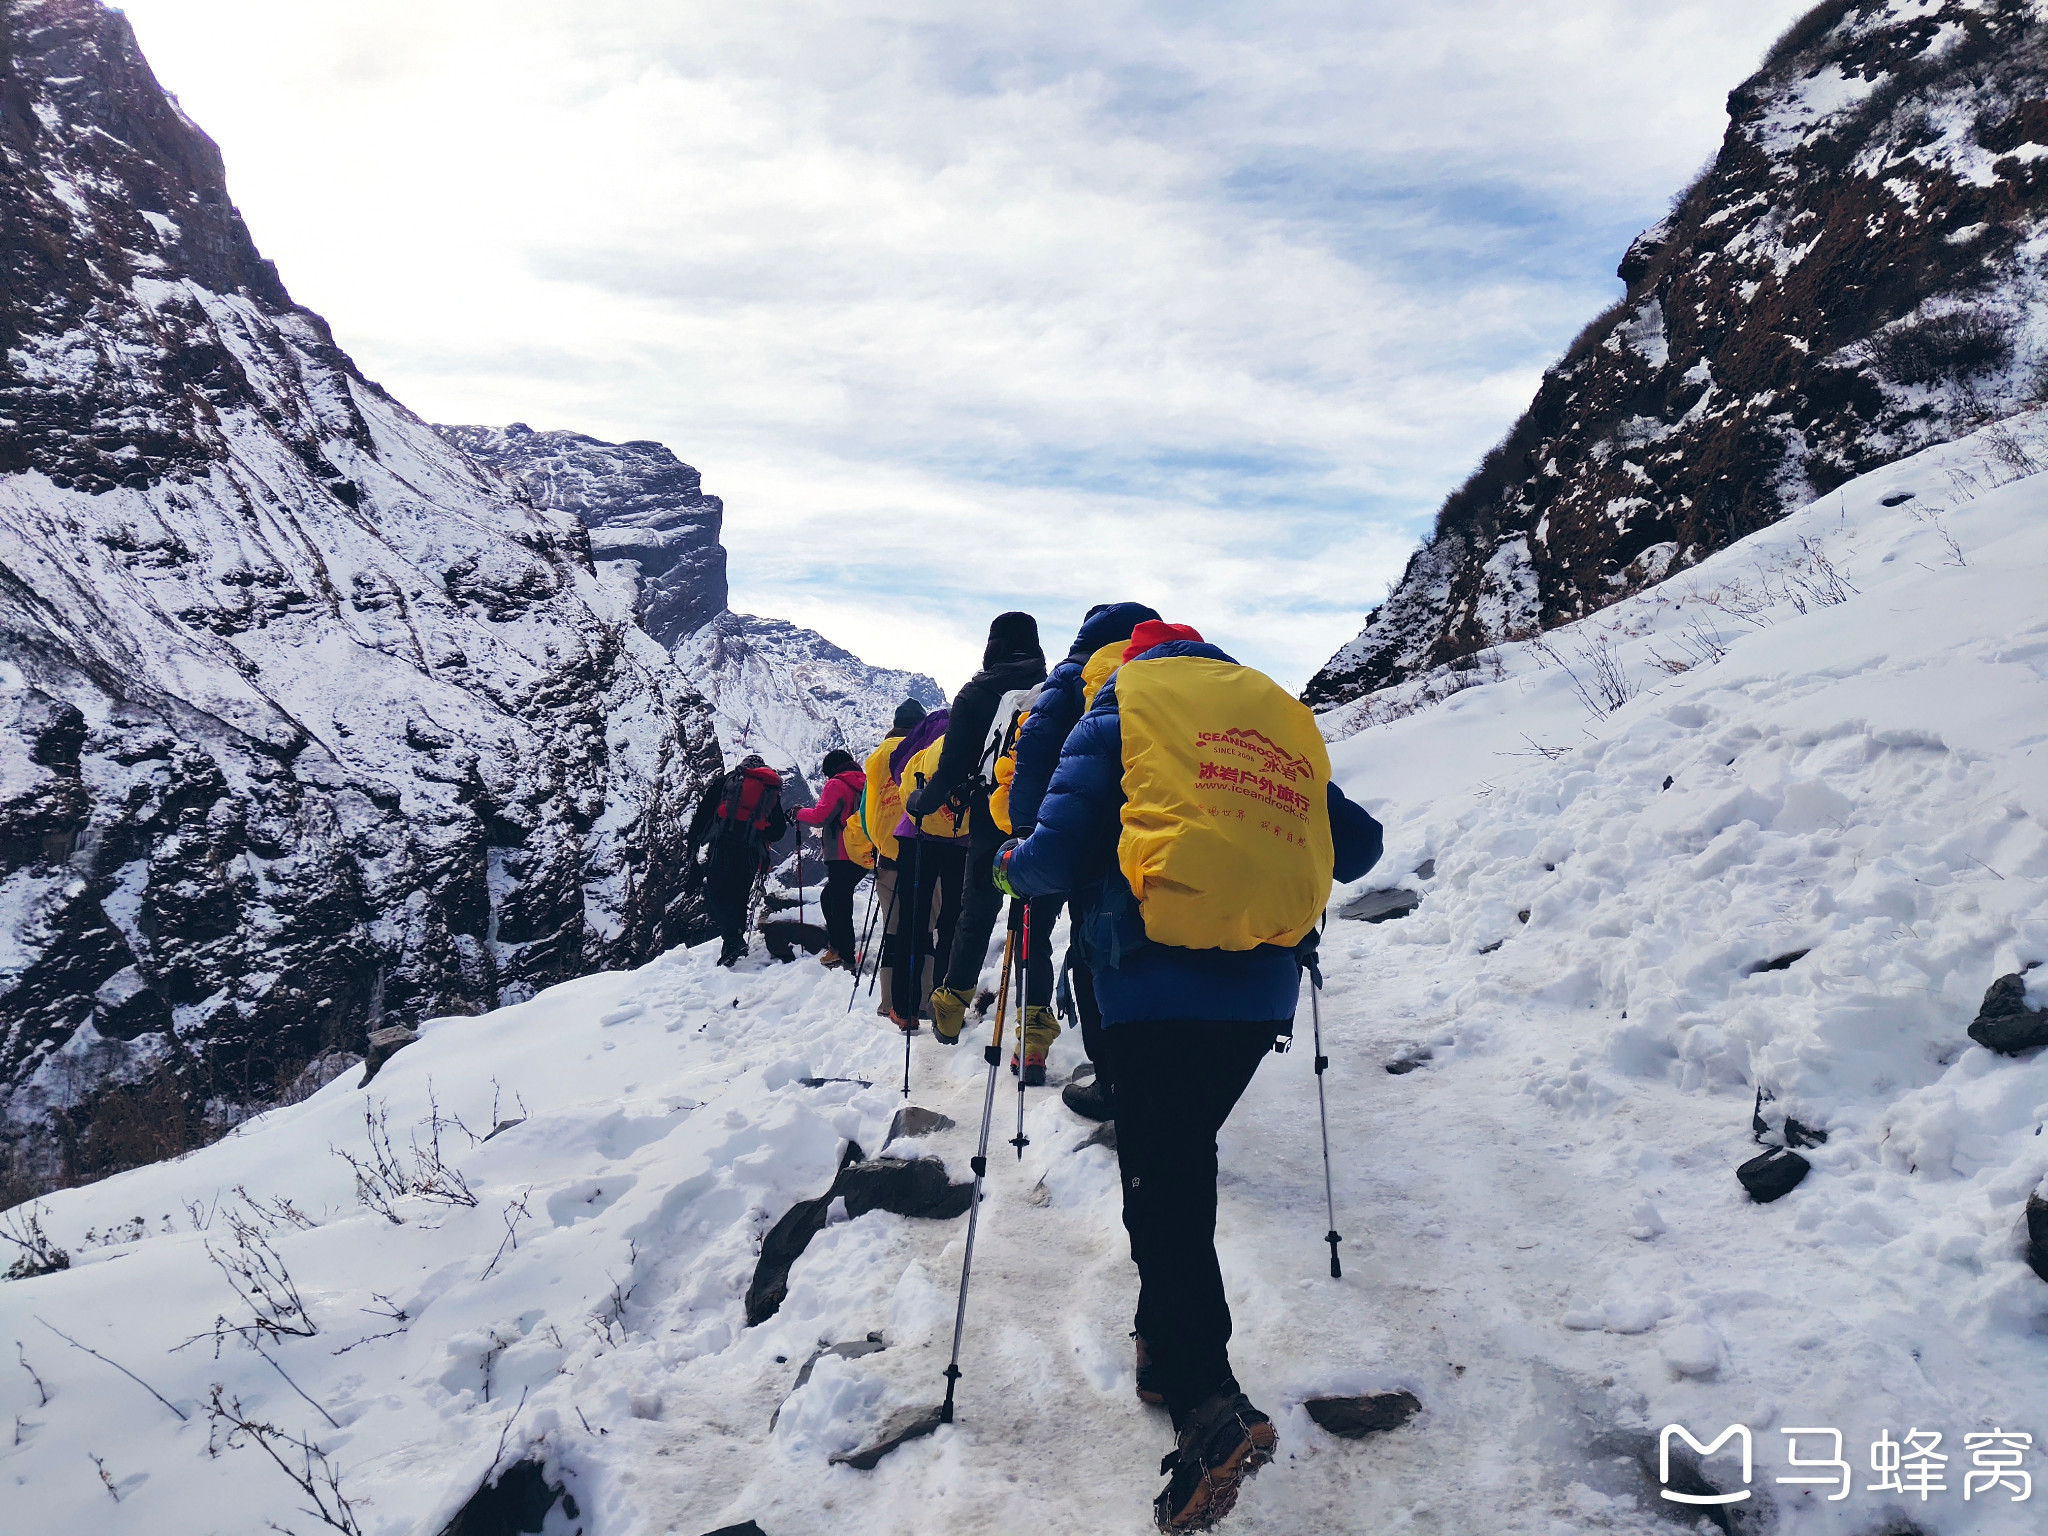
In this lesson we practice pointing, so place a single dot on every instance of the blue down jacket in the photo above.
(1059, 710)
(1073, 849)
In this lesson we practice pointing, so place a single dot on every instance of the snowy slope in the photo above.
(1545, 1239)
(785, 692)
(306, 724)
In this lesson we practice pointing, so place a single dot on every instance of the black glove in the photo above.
(913, 805)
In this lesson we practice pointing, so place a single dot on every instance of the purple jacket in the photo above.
(929, 730)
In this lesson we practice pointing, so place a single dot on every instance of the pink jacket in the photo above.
(841, 798)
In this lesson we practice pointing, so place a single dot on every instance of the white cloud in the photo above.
(971, 307)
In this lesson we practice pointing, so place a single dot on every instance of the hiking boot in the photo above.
(1089, 1100)
(829, 958)
(1226, 1440)
(731, 954)
(1147, 1374)
(908, 1026)
(949, 1014)
(1041, 1028)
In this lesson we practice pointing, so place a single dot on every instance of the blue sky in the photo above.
(964, 308)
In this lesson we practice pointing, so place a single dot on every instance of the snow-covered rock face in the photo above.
(305, 719)
(642, 505)
(1859, 275)
(785, 692)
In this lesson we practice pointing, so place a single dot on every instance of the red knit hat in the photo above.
(1157, 632)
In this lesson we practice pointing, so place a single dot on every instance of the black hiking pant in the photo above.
(727, 884)
(1176, 1083)
(1082, 980)
(982, 905)
(937, 867)
(842, 879)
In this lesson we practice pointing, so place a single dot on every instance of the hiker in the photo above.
(1097, 651)
(838, 804)
(881, 810)
(1234, 833)
(982, 715)
(930, 857)
(739, 819)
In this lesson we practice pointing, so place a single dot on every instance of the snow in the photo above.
(1544, 1238)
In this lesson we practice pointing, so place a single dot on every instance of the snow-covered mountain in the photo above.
(1731, 862)
(1859, 274)
(307, 722)
(785, 692)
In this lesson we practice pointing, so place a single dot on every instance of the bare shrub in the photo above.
(1600, 678)
(1957, 345)
(37, 1252)
(384, 1176)
(309, 1467)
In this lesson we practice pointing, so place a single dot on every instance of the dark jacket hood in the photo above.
(1114, 622)
(1012, 637)
(908, 713)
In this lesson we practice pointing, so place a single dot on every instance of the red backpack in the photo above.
(748, 805)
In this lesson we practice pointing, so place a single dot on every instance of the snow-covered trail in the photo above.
(1791, 860)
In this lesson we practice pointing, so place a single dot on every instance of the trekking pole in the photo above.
(1020, 1141)
(1315, 992)
(916, 950)
(979, 1163)
(888, 923)
(860, 955)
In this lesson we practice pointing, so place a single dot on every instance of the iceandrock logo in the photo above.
(1738, 1432)
(1256, 745)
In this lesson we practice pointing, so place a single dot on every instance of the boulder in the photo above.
(1353, 1418)
(2005, 1023)
(913, 1121)
(385, 1044)
(2037, 1235)
(1380, 906)
(1773, 1174)
(517, 1504)
(904, 1424)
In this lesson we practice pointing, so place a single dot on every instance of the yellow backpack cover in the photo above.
(853, 835)
(940, 823)
(1226, 817)
(882, 805)
(1096, 670)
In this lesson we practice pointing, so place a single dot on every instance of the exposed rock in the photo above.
(915, 1187)
(310, 724)
(783, 937)
(1773, 1174)
(1353, 1418)
(903, 1425)
(517, 1504)
(1409, 1061)
(1380, 906)
(2005, 1023)
(1848, 283)
(852, 1350)
(384, 1044)
(2037, 1235)
(1783, 962)
(911, 1120)
(918, 1187)
(744, 1528)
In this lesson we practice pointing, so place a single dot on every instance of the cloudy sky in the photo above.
(971, 306)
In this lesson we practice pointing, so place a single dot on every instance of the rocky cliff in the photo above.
(307, 721)
(1858, 275)
(773, 687)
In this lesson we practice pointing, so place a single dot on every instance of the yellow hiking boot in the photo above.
(1041, 1028)
(949, 1014)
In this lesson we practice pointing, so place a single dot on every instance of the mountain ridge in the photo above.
(1858, 275)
